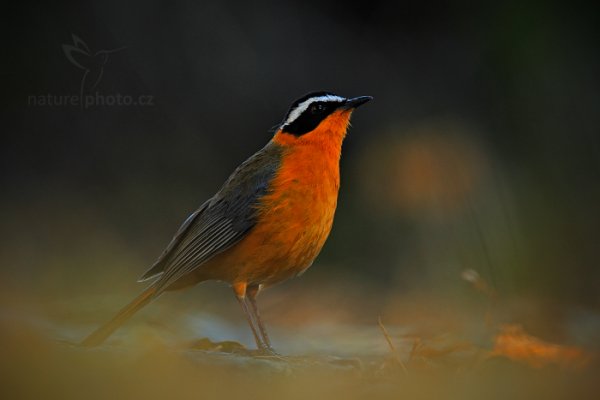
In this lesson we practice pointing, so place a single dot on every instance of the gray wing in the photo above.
(220, 222)
(159, 265)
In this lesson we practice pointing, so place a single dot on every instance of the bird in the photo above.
(92, 64)
(266, 224)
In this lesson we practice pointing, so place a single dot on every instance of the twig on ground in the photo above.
(395, 355)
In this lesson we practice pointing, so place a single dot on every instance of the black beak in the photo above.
(356, 101)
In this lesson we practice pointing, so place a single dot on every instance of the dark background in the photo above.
(480, 150)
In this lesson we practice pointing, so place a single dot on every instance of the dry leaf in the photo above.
(514, 343)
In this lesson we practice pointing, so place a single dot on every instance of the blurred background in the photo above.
(480, 153)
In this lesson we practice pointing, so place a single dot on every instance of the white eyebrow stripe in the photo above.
(300, 108)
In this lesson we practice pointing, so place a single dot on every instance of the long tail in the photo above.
(102, 333)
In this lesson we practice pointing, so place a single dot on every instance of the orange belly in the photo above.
(294, 223)
(294, 219)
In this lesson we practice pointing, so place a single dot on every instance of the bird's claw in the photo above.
(268, 352)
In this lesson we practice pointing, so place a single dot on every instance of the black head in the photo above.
(307, 112)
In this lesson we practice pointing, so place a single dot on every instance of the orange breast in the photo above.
(296, 217)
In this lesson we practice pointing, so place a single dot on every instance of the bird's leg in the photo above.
(240, 293)
(251, 293)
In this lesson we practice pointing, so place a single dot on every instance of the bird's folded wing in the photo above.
(221, 222)
(159, 266)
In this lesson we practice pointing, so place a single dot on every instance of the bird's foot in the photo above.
(268, 352)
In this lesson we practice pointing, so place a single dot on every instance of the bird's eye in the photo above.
(317, 108)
